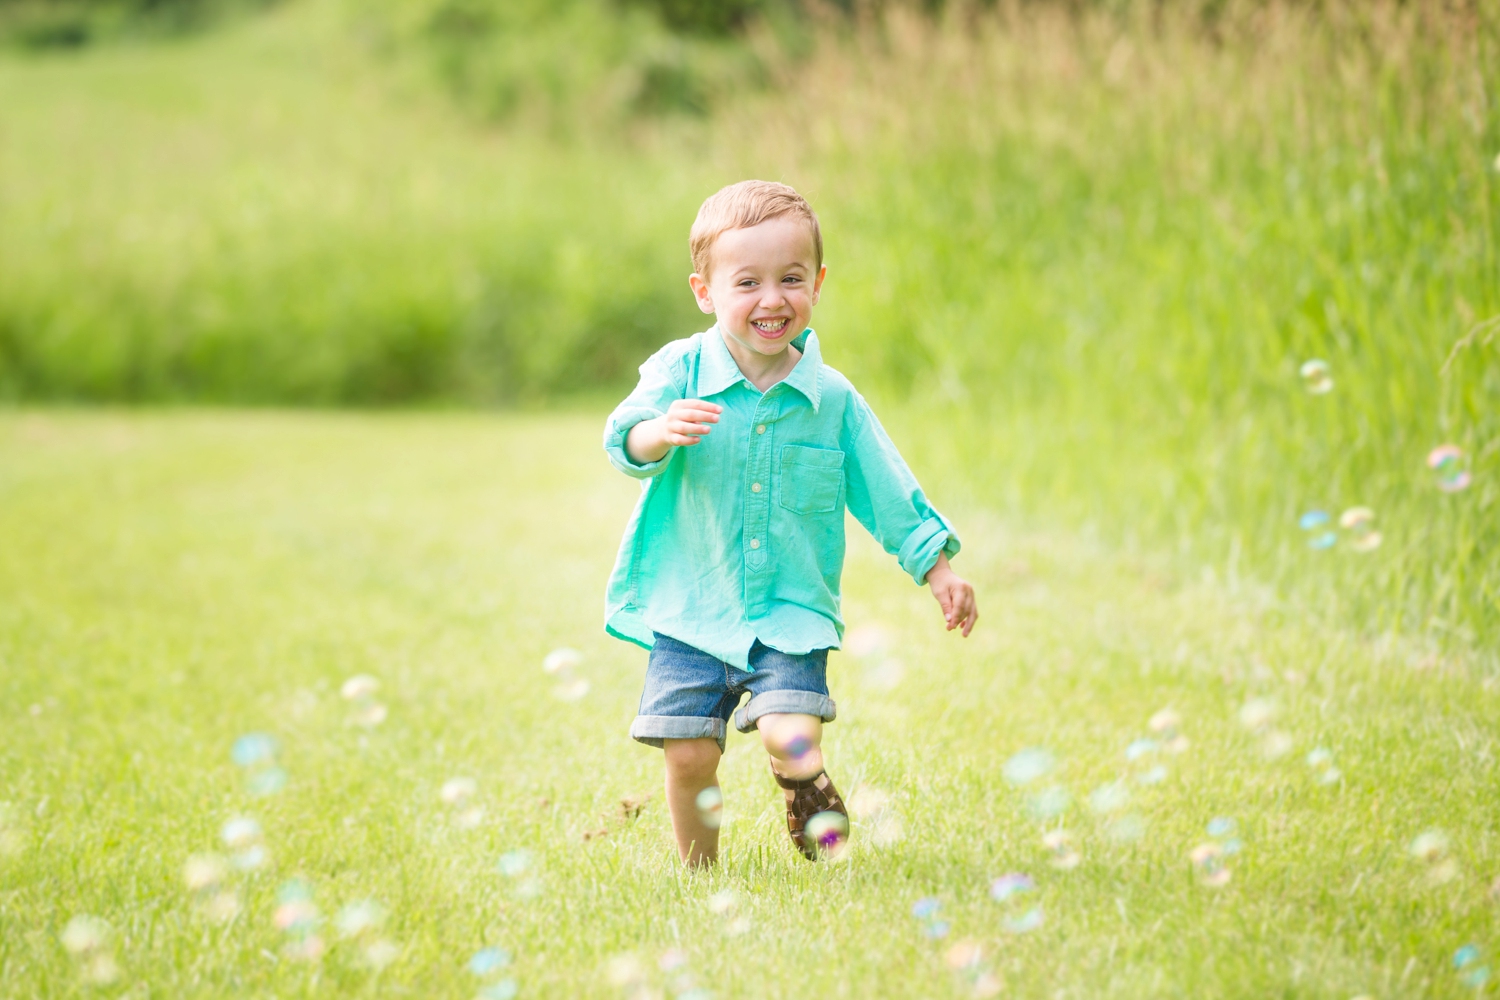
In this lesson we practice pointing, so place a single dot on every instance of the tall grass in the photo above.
(1089, 249)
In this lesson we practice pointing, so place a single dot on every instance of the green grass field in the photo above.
(174, 581)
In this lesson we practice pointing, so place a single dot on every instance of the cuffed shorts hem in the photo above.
(790, 702)
(655, 730)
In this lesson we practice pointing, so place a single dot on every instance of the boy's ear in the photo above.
(699, 285)
(818, 283)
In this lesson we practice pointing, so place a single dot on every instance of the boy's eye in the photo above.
(747, 283)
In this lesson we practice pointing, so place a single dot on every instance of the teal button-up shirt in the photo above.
(741, 536)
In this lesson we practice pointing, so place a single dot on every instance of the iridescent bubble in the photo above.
(672, 959)
(562, 660)
(1025, 922)
(866, 640)
(1275, 745)
(710, 804)
(1007, 886)
(799, 746)
(266, 782)
(1064, 855)
(84, 934)
(1472, 972)
(380, 953)
(723, 901)
(1028, 765)
(1221, 826)
(1208, 862)
(986, 985)
(926, 909)
(1313, 519)
(204, 872)
(964, 955)
(1323, 540)
(1109, 797)
(360, 687)
(1360, 523)
(1430, 846)
(513, 863)
(829, 831)
(253, 749)
(1050, 802)
(1319, 757)
(1127, 829)
(241, 831)
(359, 917)
(1257, 713)
(369, 714)
(1447, 461)
(295, 912)
(1153, 775)
(505, 989)
(458, 791)
(1317, 379)
(1140, 748)
(488, 961)
(1331, 776)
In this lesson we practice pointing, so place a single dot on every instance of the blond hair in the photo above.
(746, 204)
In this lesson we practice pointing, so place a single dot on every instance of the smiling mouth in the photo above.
(770, 327)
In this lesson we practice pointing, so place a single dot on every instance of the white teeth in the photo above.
(768, 325)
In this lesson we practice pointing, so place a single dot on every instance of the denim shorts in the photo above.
(691, 694)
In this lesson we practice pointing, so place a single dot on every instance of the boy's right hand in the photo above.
(687, 420)
(684, 423)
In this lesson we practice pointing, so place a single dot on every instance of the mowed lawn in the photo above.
(170, 582)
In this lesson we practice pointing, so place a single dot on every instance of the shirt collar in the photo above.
(717, 370)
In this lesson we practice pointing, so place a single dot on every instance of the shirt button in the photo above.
(755, 487)
(761, 429)
(755, 543)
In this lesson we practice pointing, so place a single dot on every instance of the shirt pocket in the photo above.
(812, 479)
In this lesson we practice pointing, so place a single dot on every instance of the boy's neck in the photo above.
(763, 370)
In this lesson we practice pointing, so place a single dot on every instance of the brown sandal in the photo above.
(806, 799)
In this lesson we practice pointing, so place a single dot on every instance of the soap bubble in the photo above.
(1152, 775)
(369, 715)
(1208, 862)
(1430, 846)
(359, 917)
(1257, 713)
(1109, 797)
(1313, 519)
(1140, 748)
(829, 831)
(1276, 745)
(1126, 829)
(964, 955)
(1317, 379)
(1471, 971)
(254, 749)
(710, 803)
(1447, 461)
(266, 782)
(1221, 826)
(487, 961)
(1360, 523)
(360, 687)
(1050, 802)
(1065, 856)
(514, 863)
(84, 934)
(723, 901)
(1028, 765)
(243, 837)
(457, 791)
(562, 660)
(1013, 893)
(926, 910)
(1006, 886)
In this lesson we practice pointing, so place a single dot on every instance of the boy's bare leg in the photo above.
(794, 743)
(692, 765)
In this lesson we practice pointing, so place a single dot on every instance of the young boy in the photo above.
(750, 448)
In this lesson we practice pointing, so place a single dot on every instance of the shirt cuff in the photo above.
(932, 537)
(615, 432)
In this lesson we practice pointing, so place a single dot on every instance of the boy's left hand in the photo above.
(954, 594)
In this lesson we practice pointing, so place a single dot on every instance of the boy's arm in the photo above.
(653, 397)
(886, 498)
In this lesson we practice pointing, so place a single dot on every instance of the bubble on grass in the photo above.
(1222, 826)
(1005, 887)
(360, 917)
(1064, 855)
(84, 934)
(487, 961)
(1013, 893)
(866, 640)
(266, 782)
(295, 913)
(458, 791)
(1275, 745)
(239, 832)
(514, 863)
(710, 804)
(1109, 797)
(1257, 713)
(505, 989)
(1319, 757)
(723, 901)
(829, 832)
(1050, 802)
(1447, 461)
(254, 749)
(1470, 968)
(1360, 523)
(927, 911)
(964, 955)
(1127, 829)
(562, 660)
(204, 872)
(1430, 846)
(1313, 519)
(1140, 748)
(380, 953)
(1317, 377)
(369, 715)
(672, 959)
(360, 687)
(1208, 864)
(1154, 775)
(1028, 765)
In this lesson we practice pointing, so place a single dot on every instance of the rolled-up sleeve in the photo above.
(886, 498)
(652, 395)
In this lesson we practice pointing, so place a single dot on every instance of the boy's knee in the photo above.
(696, 756)
(790, 735)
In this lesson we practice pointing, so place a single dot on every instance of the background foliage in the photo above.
(1089, 245)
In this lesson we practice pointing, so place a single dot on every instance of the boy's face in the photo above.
(764, 283)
